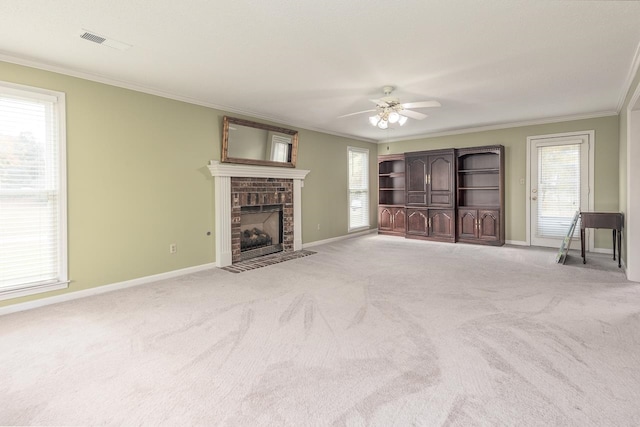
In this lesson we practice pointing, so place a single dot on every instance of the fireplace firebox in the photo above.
(261, 230)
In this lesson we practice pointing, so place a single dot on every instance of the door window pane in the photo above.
(558, 189)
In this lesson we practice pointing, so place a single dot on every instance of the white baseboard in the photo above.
(336, 239)
(517, 242)
(102, 289)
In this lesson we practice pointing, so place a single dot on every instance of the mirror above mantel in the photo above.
(253, 143)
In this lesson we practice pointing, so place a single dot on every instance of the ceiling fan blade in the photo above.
(413, 114)
(380, 102)
(421, 104)
(353, 114)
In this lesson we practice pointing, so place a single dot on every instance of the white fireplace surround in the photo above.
(222, 174)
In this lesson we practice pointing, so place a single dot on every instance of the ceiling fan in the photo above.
(390, 110)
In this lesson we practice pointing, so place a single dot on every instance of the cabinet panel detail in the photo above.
(417, 177)
(417, 222)
(441, 180)
(489, 225)
(467, 224)
(442, 223)
(384, 219)
(399, 220)
(440, 171)
(391, 220)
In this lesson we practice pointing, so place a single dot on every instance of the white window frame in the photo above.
(62, 282)
(368, 190)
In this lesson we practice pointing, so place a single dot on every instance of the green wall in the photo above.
(515, 141)
(138, 181)
(325, 192)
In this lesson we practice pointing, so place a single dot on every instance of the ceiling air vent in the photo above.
(105, 41)
(93, 37)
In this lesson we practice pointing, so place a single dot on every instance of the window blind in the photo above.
(358, 188)
(558, 189)
(31, 198)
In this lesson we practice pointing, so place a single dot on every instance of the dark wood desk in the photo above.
(609, 220)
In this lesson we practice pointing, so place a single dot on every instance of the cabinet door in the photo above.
(441, 223)
(441, 180)
(467, 224)
(399, 223)
(417, 222)
(384, 219)
(416, 180)
(489, 225)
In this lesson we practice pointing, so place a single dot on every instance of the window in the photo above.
(358, 188)
(33, 250)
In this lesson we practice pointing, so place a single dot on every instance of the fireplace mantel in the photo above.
(222, 173)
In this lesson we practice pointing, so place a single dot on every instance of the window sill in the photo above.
(23, 291)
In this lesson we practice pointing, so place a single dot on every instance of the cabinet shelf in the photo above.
(392, 175)
(483, 170)
(391, 189)
(478, 188)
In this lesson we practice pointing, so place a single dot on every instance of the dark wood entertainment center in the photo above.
(452, 195)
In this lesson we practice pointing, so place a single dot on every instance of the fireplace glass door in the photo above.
(261, 230)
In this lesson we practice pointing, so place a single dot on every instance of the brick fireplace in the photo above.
(238, 186)
(260, 193)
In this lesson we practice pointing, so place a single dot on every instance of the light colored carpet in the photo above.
(369, 331)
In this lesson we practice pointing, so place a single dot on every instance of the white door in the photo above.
(559, 186)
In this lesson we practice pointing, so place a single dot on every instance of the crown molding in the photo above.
(508, 125)
(163, 94)
(626, 87)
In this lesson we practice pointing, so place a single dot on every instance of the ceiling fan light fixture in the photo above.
(389, 111)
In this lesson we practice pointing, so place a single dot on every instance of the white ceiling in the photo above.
(303, 62)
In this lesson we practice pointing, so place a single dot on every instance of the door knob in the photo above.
(534, 191)
(534, 198)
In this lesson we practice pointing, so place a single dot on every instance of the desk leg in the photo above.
(619, 248)
(614, 244)
(584, 259)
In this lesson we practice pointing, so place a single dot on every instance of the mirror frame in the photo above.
(241, 122)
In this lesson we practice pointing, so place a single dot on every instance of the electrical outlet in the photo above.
(173, 248)
(318, 226)
(521, 181)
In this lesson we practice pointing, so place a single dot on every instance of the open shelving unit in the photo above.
(391, 180)
(479, 179)
(391, 195)
(480, 194)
